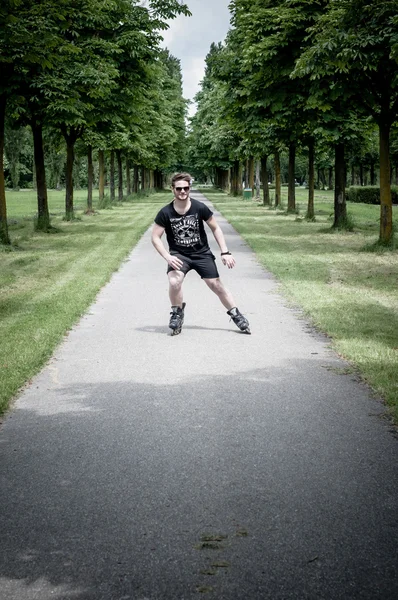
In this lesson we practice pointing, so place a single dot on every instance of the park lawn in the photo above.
(47, 281)
(343, 288)
(23, 204)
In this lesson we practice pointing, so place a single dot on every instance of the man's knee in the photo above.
(215, 285)
(175, 279)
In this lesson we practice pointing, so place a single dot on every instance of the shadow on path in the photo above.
(226, 484)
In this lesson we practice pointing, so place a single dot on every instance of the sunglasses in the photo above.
(179, 189)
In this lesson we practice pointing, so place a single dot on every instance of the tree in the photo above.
(352, 56)
(28, 38)
(95, 83)
(266, 40)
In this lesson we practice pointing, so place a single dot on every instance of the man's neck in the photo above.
(181, 206)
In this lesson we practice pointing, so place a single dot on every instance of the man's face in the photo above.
(181, 190)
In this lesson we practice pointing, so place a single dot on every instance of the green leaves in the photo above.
(89, 63)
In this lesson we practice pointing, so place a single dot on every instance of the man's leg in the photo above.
(225, 296)
(176, 279)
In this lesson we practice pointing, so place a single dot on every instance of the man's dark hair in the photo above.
(181, 176)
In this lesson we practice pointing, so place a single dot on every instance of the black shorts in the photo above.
(203, 264)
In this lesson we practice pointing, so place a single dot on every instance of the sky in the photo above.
(189, 39)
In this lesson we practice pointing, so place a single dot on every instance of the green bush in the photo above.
(369, 194)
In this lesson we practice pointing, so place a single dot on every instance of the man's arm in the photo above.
(227, 259)
(173, 261)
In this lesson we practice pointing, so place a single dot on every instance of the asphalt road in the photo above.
(140, 466)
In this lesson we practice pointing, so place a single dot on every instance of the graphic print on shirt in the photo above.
(186, 230)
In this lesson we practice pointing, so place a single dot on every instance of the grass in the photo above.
(347, 291)
(47, 281)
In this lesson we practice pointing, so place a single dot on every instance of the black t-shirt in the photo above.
(185, 233)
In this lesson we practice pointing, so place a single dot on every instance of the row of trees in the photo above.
(319, 76)
(20, 170)
(19, 167)
(90, 71)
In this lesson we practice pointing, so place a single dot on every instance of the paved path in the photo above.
(138, 466)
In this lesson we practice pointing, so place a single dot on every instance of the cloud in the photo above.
(192, 76)
(194, 70)
(176, 29)
(189, 39)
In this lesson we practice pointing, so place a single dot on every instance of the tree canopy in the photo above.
(88, 66)
(316, 73)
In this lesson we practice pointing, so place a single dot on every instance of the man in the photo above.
(182, 220)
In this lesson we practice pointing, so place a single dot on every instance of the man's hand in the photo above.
(228, 260)
(175, 262)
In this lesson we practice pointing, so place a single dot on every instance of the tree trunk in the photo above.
(4, 237)
(361, 174)
(34, 176)
(251, 174)
(311, 181)
(386, 231)
(258, 180)
(90, 180)
(352, 175)
(128, 176)
(245, 175)
(239, 178)
(119, 174)
(136, 180)
(222, 180)
(235, 187)
(112, 177)
(43, 215)
(278, 186)
(232, 190)
(264, 179)
(101, 175)
(372, 174)
(340, 207)
(291, 197)
(70, 157)
(158, 180)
